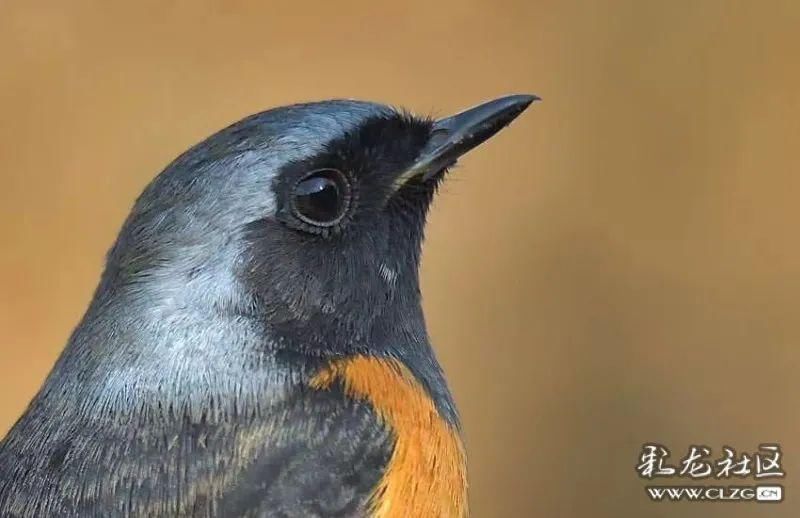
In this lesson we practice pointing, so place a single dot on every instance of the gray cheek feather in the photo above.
(176, 335)
(388, 275)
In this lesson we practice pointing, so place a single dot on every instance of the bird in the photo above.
(256, 344)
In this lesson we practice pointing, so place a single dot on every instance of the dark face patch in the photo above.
(371, 158)
(353, 285)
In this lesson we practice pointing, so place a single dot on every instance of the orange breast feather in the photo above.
(426, 474)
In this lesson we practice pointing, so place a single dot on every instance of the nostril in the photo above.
(438, 137)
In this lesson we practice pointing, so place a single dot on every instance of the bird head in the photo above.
(308, 219)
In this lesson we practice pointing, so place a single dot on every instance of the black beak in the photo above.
(454, 136)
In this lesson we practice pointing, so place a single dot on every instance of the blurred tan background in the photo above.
(621, 266)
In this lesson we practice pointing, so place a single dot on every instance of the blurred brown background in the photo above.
(621, 266)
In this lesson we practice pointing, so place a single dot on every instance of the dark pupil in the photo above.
(317, 198)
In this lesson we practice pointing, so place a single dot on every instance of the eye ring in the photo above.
(321, 198)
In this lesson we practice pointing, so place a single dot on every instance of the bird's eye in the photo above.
(322, 197)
